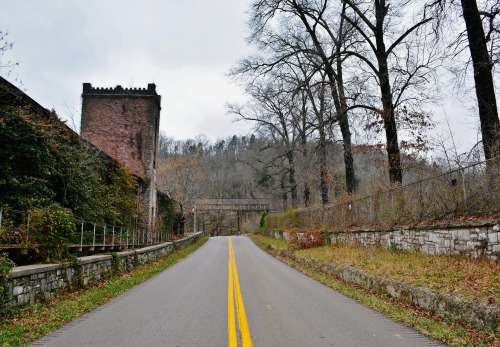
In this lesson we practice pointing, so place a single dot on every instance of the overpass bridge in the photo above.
(231, 205)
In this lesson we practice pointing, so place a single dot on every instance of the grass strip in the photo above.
(27, 324)
(423, 321)
(477, 279)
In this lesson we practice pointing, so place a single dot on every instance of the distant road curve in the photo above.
(187, 305)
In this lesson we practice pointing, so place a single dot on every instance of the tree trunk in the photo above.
(388, 116)
(323, 173)
(485, 90)
(291, 179)
(303, 142)
(341, 114)
(346, 138)
(341, 109)
(391, 134)
(344, 130)
(307, 190)
(343, 118)
(322, 168)
(284, 193)
(307, 194)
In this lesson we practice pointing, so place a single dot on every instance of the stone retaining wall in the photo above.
(460, 309)
(473, 240)
(33, 282)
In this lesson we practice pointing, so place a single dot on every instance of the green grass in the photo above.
(278, 244)
(439, 328)
(25, 325)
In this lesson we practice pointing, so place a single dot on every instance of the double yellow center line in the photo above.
(233, 290)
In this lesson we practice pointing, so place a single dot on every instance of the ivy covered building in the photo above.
(108, 177)
(124, 123)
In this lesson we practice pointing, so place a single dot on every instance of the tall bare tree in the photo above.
(484, 51)
(316, 88)
(383, 38)
(272, 108)
(286, 28)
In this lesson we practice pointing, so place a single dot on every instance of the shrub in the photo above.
(263, 222)
(292, 235)
(5, 265)
(53, 229)
(308, 239)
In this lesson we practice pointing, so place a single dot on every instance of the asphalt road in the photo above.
(187, 305)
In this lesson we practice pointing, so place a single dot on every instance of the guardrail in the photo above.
(15, 233)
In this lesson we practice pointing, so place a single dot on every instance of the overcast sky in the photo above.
(184, 47)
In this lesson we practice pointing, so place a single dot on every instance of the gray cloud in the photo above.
(185, 47)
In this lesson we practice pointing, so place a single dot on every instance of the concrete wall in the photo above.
(473, 240)
(33, 282)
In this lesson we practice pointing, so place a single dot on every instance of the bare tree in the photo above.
(314, 21)
(384, 39)
(305, 29)
(272, 109)
(315, 86)
(484, 51)
(5, 45)
(6, 65)
(320, 105)
(313, 92)
(303, 126)
(183, 177)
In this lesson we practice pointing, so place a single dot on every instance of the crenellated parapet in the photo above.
(119, 90)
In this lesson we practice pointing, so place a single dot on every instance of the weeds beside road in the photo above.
(25, 325)
(468, 277)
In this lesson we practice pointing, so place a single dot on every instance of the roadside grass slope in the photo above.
(478, 279)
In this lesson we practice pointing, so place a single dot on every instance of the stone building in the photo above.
(124, 123)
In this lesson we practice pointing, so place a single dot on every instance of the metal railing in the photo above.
(15, 232)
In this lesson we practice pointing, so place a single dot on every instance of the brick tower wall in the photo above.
(124, 123)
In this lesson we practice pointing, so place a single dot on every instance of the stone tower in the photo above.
(124, 123)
